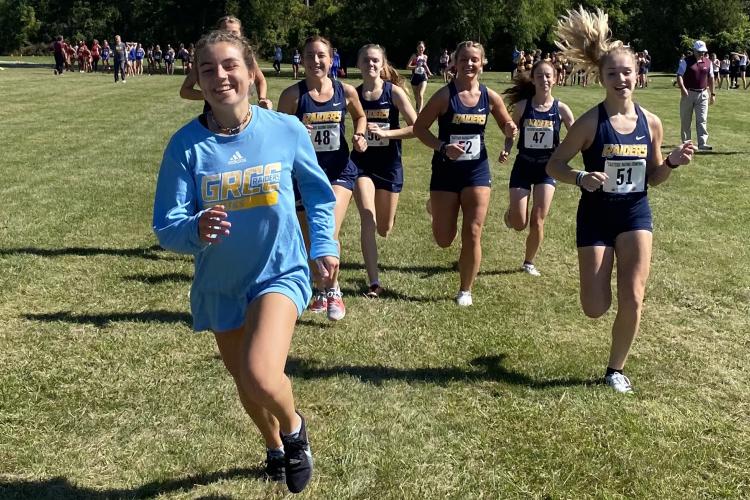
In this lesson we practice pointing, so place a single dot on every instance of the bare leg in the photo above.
(255, 355)
(633, 251)
(543, 194)
(474, 204)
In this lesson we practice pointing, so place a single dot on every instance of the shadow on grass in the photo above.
(153, 252)
(61, 488)
(484, 368)
(426, 271)
(103, 320)
(391, 294)
(150, 279)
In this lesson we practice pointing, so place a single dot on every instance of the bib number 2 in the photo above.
(471, 144)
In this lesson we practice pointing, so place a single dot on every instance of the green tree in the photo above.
(18, 24)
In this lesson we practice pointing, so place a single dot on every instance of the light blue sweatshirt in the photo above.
(251, 175)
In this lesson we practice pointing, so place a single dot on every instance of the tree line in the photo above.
(665, 27)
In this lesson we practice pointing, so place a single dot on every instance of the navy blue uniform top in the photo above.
(623, 156)
(464, 125)
(322, 116)
(540, 131)
(380, 111)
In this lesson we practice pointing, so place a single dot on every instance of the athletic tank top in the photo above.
(420, 62)
(464, 126)
(380, 152)
(540, 131)
(328, 121)
(623, 157)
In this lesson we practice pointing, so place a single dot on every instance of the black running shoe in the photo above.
(275, 467)
(298, 459)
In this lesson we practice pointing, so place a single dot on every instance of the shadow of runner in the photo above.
(61, 488)
(484, 368)
(153, 252)
(103, 320)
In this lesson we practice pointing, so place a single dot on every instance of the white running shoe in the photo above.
(619, 382)
(463, 298)
(530, 269)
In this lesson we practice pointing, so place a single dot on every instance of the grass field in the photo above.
(105, 392)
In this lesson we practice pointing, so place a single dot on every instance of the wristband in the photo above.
(579, 177)
(669, 163)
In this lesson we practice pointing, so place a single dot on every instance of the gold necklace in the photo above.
(231, 130)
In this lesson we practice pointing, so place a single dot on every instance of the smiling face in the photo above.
(469, 62)
(370, 62)
(618, 74)
(420, 49)
(544, 78)
(317, 59)
(224, 75)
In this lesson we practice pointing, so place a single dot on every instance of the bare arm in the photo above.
(403, 103)
(288, 100)
(359, 119)
(436, 106)
(517, 115)
(412, 62)
(188, 90)
(578, 139)
(501, 115)
(262, 86)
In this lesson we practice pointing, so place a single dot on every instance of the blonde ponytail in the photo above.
(585, 39)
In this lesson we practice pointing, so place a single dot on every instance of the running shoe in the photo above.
(298, 460)
(529, 268)
(319, 303)
(619, 382)
(336, 308)
(463, 298)
(374, 291)
(275, 467)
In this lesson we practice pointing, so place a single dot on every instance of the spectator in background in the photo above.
(695, 78)
(150, 59)
(335, 64)
(184, 56)
(734, 71)
(95, 55)
(157, 58)
(139, 55)
(70, 53)
(296, 59)
(743, 68)
(444, 58)
(277, 56)
(121, 58)
(106, 52)
(59, 51)
(724, 71)
(169, 60)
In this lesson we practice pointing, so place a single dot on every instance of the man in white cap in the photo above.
(696, 80)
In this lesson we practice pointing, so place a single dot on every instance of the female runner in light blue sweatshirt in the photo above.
(225, 195)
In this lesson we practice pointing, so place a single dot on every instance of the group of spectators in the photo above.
(79, 56)
(523, 61)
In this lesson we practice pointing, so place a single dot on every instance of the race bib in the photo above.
(538, 137)
(471, 145)
(419, 70)
(326, 136)
(372, 142)
(625, 176)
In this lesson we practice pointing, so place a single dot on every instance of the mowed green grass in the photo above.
(105, 392)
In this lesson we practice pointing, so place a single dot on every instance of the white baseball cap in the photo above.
(700, 46)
